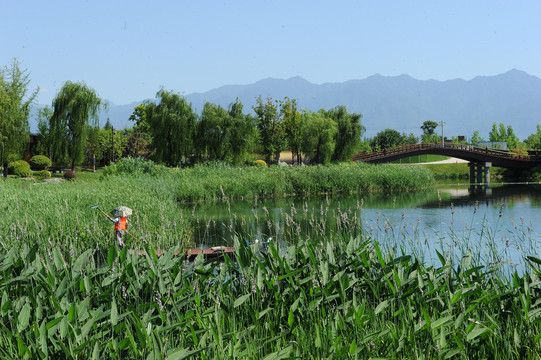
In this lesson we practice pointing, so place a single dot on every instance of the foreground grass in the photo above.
(340, 298)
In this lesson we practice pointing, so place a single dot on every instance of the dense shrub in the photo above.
(134, 166)
(40, 162)
(20, 168)
(70, 175)
(43, 174)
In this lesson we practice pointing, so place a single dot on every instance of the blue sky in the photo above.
(127, 50)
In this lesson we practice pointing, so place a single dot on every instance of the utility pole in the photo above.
(112, 144)
(442, 138)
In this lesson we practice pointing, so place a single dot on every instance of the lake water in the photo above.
(496, 225)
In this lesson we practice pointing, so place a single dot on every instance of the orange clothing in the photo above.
(121, 223)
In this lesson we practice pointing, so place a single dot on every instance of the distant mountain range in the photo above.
(398, 102)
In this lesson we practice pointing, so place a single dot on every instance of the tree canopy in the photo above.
(75, 107)
(389, 138)
(348, 134)
(501, 133)
(172, 126)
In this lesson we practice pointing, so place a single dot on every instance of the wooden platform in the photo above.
(209, 253)
(190, 254)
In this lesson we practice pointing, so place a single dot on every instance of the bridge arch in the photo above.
(473, 154)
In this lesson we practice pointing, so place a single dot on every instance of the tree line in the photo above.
(169, 131)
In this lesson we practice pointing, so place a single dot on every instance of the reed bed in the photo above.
(216, 181)
(61, 214)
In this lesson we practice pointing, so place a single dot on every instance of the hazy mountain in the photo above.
(399, 102)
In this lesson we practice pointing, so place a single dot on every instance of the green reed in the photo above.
(216, 182)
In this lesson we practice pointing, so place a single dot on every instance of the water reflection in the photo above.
(499, 225)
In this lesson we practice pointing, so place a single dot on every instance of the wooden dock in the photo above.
(190, 254)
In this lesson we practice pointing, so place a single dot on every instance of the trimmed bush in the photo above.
(70, 175)
(40, 162)
(20, 168)
(43, 174)
(261, 163)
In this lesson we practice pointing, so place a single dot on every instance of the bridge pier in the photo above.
(480, 174)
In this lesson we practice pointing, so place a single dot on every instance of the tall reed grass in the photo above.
(316, 299)
(216, 182)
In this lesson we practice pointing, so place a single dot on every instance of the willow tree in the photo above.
(319, 132)
(349, 132)
(75, 108)
(172, 125)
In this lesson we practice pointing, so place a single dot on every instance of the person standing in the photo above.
(121, 223)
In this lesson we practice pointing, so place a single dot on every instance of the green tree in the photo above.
(271, 131)
(501, 133)
(293, 123)
(139, 116)
(319, 134)
(15, 104)
(138, 143)
(428, 127)
(533, 141)
(111, 144)
(242, 132)
(214, 133)
(45, 140)
(93, 145)
(172, 127)
(349, 131)
(139, 138)
(224, 135)
(389, 138)
(476, 138)
(74, 108)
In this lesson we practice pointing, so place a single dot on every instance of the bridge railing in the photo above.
(382, 153)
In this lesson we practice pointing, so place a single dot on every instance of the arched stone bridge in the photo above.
(480, 158)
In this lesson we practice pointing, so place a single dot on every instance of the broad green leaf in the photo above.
(441, 321)
(24, 317)
(43, 337)
(281, 354)
(381, 306)
(23, 349)
(114, 313)
(81, 261)
(72, 313)
(290, 318)
(452, 353)
(96, 351)
(459, 320)
(85, 330)
(263, 313)
(180, 354)
(353, 347)
(477, 331)
(241, 300)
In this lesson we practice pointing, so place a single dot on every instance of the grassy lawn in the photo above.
(421, 159)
